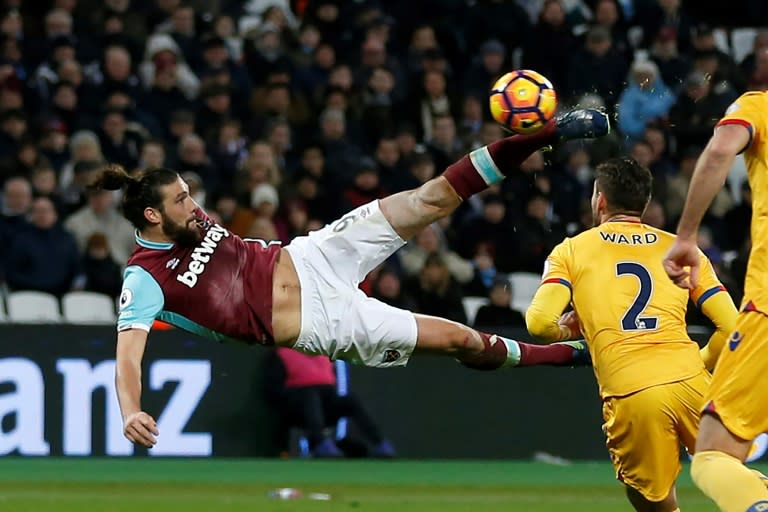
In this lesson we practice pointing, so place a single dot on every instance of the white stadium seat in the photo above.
(524, 286)
(742, 40)
(721, 40)
(471, 305)
(33, 308)
(88, 308)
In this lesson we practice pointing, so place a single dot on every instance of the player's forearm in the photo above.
(543, 314)
(722, 311)
(708, 178)
(128, 385)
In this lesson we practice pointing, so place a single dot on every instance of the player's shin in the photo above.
(489, 164)
(729, 483)
(564, 353)
(497, 352)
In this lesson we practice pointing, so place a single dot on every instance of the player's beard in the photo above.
(181, 234)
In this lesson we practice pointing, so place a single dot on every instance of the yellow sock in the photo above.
(728, 482)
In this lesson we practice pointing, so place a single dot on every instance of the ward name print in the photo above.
(633, 239)
(201, 255)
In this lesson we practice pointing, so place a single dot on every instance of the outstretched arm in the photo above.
(138, 426)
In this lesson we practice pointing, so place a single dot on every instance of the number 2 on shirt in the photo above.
(632, 321)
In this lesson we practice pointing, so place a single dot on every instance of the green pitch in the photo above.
(145, 485)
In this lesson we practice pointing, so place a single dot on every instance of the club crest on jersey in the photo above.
(391, 355)
(733, 343)
(125, 298)
(201, 255)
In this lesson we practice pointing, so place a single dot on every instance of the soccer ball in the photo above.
(523, 101)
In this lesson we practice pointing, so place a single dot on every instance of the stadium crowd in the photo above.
(283, 115)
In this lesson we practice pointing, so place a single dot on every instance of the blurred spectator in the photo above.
(435, 292)
(15, 205)
(678, 189)
(118, 144)
(445, 145)
(739, 218)
(168, 77)
(132, 23)
(152, 154)
(696, 112)
(723, 67)
(13, 127)
(571, 184)
(498, 312)
(673, 67)
(100, 215)
(192, 157)
(551, 45)
(758, 79)
(84, 146)
(597, 67)
(505, 21)
(392, 171)
(74, 196)
(54, 144)
(538, 233)
(645, 99)
(43, 179)
(654, 17)
(486, 68)
(388, 288)
(431, 240)
(102, 273)
(492, 230)
(303, 387)
(759, 44)
(43, 257)
(341, 156)
(654, 215)
(608, 14)
(26, 157)
(365, 186)
(433, 102)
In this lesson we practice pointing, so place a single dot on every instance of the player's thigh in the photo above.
(738, 394)
(643, 442)
(689, 399)
(375, 334)
(357, 243)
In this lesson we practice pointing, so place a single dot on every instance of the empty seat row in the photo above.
(42, 308)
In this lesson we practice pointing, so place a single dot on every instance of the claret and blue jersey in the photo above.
(221, 288)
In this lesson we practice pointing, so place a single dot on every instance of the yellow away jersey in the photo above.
(751, 110)
(631, 314)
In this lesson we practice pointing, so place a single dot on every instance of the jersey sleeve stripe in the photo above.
(707, 294)
(558, 280)
(740, 122)
(143, 327)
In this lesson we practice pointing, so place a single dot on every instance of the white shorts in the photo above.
(337, 318)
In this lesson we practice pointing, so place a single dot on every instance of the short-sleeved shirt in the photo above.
(221, 288)
(632, 315)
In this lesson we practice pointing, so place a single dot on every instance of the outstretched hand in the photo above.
(141, 428)
(570, 321)
(682, 263)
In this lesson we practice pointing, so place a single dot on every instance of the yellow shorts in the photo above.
(644, 432)
(739, 391)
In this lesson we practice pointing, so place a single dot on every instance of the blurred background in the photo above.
(282, 115)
